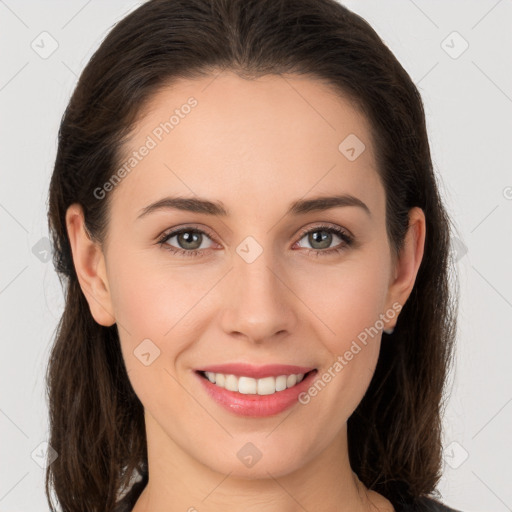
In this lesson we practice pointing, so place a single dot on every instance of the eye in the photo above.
(188, 241)
(320, 239)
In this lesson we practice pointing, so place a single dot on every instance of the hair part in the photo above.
(96, 420)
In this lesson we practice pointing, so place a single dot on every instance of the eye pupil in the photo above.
(188, 238)
(324, 238)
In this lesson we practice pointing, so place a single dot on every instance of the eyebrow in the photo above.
(299, 207)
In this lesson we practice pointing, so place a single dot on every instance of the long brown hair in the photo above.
(96, 420)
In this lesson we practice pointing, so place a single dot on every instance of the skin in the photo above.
(266, 142)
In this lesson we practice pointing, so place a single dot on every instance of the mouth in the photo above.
(251, 386)
(255, 391)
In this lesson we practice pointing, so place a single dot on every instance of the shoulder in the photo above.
(424, 504)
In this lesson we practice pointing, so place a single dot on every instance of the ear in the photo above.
(405, 268)
(90, 267)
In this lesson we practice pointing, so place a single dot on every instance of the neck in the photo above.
(179, 482)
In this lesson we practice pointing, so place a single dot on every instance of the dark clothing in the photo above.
(423, 504)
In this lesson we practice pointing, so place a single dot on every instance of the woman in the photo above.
(256, 257)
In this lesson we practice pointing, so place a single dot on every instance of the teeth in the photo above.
(231, 383)
(266, 386)
(250, 386)
(219, 379)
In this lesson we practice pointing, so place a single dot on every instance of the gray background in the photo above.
(468, 101)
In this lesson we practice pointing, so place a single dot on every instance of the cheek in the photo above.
(150, 300)
(350, 302)
(348, 298)
(150, 305)
(161, 303)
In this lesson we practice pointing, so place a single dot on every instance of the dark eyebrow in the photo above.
(325, 203)
(299, 207)
(188, 204)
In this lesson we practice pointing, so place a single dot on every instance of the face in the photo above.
(250, 280)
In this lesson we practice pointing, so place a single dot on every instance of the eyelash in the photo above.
(347, 241)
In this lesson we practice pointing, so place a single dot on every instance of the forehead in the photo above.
(275, 138)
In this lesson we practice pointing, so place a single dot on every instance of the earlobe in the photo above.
(409, 259)
(89, 262)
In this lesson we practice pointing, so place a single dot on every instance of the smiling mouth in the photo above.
(250, 386)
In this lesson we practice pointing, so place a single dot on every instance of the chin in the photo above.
(252, 460)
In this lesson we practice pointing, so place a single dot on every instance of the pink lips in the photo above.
(255, 405)
(256, 372)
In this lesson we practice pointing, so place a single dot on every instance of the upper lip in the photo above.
(256, 372)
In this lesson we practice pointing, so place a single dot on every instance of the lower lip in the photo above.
(257, 405)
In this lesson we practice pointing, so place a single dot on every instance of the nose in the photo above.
(259, 304)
